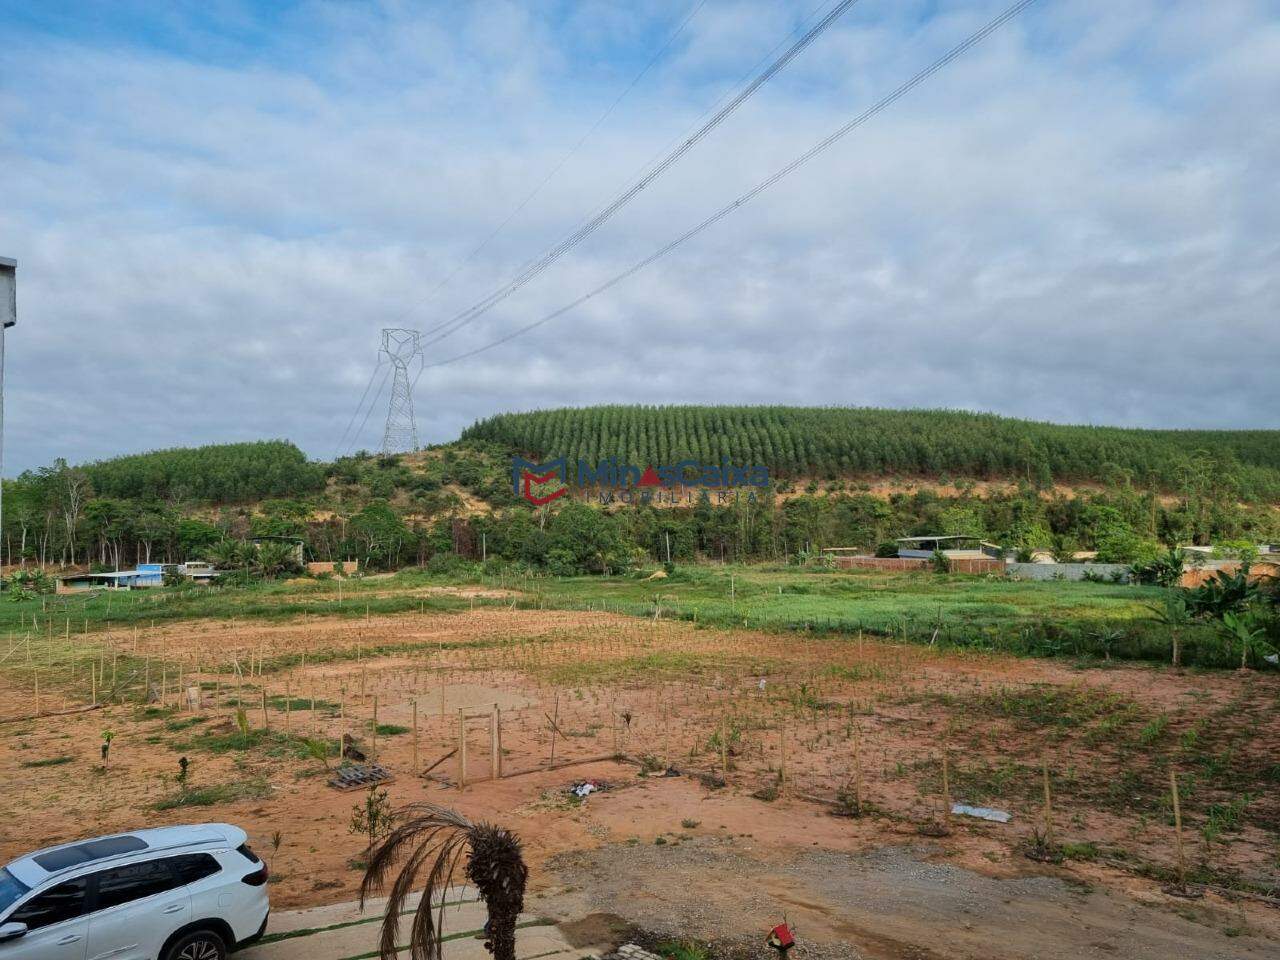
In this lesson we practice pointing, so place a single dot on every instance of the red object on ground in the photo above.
(780, 938)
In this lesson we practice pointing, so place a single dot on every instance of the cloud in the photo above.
(215, 214)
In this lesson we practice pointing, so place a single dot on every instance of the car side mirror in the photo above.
(12, 931)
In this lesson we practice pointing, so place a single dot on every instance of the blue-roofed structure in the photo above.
(145, 575)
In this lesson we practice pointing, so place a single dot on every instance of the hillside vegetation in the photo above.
(455, 501)
(219, 472)
(835, 442)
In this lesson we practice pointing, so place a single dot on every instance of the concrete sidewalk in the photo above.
(342, 932)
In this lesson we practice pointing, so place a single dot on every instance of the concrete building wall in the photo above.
(1065, 571)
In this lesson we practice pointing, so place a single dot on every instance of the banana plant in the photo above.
(1174, 614)
(1242, 629)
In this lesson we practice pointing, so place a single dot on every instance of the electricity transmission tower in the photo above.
(401, 348)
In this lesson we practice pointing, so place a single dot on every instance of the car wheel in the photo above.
(197, 945)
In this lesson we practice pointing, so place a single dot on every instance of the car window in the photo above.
(137, 880)
(247, 853)
(11, 890)
(194, 866)
(66, 901)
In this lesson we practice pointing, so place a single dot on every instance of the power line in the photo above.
(359, 406)
(701, 118)
(373, 403)
(564, 246)
(525, 202)
(558, 167)
(822, 145)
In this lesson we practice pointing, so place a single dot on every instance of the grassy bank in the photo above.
(1052, 618)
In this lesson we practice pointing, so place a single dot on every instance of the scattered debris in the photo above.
(358, 776)
(711, 781)
(630, 951)
(982, 813)
(584, 788)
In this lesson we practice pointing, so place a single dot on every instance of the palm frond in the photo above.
(426, 834)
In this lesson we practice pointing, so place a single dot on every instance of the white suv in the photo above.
(175, 893)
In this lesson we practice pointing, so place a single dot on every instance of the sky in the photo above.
(216, 206)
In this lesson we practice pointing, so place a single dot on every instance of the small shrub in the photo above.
(49, 762)
(372, 817)
(1085, 850)
(683, 950)
(846, 803)
(216, 794)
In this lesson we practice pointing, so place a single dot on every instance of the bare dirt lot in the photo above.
(770, 736)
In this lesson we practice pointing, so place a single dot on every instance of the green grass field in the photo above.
(850, 600)
(1054, 618)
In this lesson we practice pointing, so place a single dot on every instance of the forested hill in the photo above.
(834, 442)
(224, 472)
(456, 499)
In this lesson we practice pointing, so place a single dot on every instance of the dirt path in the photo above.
(891, 903)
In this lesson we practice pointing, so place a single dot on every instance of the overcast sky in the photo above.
(216, 206)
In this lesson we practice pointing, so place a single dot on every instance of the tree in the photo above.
(274, 558)
(72, 490)
(228, 554)
(1243, 629)
(431, 841)
(1174, 615)
(172, 576)
(380, 532)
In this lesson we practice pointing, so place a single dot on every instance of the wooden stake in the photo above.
(555, 723)
(946, 783)
(462, 750)
(857, 768)
(266, 723)
(724, 750)
(1177, 830)
(415, 736)
(375, 726)
(782, 766)
(495, 744)
(1048, 804)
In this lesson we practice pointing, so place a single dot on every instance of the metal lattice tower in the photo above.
(401, 348)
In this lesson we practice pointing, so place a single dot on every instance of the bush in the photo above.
(1165, 570)
(30, 582)
(173, 577)
(448, 564)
